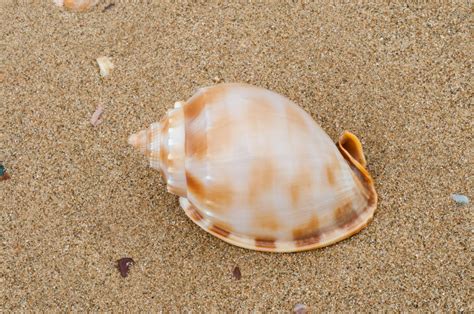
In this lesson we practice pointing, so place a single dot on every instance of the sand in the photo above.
(79, 198)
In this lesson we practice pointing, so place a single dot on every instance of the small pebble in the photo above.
(300, 309)
(236, 273)
(460, 199)
(217, 80)
(124, 265)
(96, 116)
(3, 173)
(108, 7)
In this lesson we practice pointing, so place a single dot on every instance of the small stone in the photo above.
(3, 173)
(300, 309)
(108, 7)
(236, 273)
(124, 265)
(217, 80)
(460, 199)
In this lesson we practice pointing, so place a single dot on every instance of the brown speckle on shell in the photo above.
(268, 243)
(219, 230)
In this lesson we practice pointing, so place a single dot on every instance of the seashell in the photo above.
(255, 170)
(76, 5)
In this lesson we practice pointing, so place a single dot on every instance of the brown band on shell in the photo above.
(216, 196)
(195, 134)
(195, 187)
(219, 230)
(194, 106)
(194, 213)
(307, 229)
(309, 240)
(345, 216)
(195, 130)
(308, 233)
(268, 243)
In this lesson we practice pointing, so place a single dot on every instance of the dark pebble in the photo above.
(236, 273)
(124, 265)
(108, 7)
(3, 173)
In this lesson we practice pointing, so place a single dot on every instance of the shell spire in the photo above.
(138, 140)
(142, 141)
(148, 142)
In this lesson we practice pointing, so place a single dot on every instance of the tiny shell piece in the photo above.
(96, 116)
(76, 5)
(300, 309)
(105, 66)
(460, 199)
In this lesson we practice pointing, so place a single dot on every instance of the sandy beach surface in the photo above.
(397, 74)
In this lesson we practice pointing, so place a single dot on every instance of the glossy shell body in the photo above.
(254, 169)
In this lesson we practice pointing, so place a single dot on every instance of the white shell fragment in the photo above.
(76, 5)
(300, 309)
(255, 170)
(460, 199)
(105, 66)
(96, 118)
